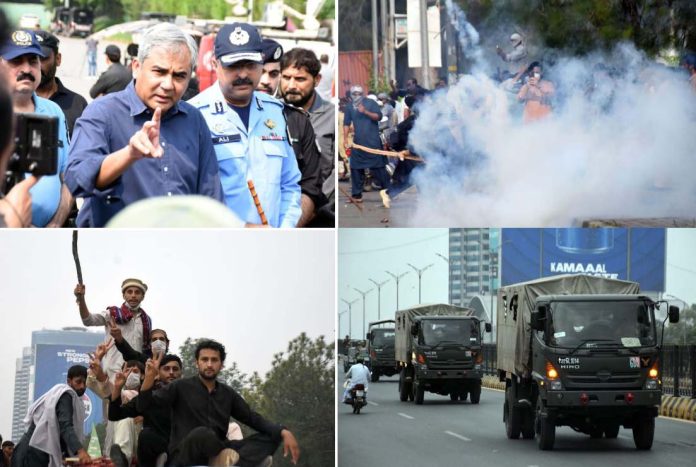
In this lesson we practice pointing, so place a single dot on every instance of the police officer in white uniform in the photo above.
(249, 132)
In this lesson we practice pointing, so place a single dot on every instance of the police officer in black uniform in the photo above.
(301, 135)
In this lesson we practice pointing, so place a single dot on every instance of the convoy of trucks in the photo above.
(579, 351)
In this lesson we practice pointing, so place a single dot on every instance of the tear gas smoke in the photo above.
(619, 144)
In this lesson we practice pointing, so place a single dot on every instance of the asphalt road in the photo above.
(73, 70)
(371, 212)
(440, 433)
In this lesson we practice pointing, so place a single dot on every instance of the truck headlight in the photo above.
(555, 385)
(651, 384)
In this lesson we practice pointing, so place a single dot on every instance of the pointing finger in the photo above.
(156, 117)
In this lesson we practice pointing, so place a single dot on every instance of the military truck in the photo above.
(438, 349)
(579, 351)
(380, 347)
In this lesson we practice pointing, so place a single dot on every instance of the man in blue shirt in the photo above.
(364, 114)
(143, 141)
(249, 132)
(50, 197)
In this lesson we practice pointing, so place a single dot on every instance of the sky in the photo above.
(252, 291)
(365, 254)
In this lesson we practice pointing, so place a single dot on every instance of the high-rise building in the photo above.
(473, 264)
(24, 373)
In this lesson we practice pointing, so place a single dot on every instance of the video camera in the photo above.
(36, 147)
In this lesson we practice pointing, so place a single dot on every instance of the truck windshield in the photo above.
(601, 324)
(382, 337)
(83, 16)
(451, 331)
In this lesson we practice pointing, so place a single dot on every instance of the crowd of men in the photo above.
(155, 416)
(261, 143)
(373, 122)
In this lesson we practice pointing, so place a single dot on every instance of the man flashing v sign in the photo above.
(143, 141)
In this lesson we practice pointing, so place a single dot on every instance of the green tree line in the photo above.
(129, 10)
(573, 26)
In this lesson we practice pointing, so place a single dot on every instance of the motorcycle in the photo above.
(357, 396)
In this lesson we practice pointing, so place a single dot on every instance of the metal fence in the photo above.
(678, 368)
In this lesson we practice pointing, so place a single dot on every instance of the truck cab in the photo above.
(439, 352)
(380, 347)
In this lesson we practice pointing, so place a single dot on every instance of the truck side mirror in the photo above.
(488, 327)
(368, 336)
(537, 318)
(673, 314)
(414, 329)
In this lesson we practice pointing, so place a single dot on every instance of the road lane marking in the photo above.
(463, 438)
(372, 403)
(405, 416)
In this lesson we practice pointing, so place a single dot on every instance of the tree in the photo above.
(230, 374)
(683, 332)
(298, 392)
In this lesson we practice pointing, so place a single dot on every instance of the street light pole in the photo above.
(350, 316)
(379, 296)
(449, 265)
(397, 279)
(363, 293)
(339, 321)
(420, 272)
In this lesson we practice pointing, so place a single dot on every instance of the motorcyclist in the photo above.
(358, 374)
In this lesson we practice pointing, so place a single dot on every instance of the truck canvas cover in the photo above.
(405, 318)
(514, 320)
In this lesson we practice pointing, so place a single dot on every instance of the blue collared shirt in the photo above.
(45, 195)
(188, 165)
(261, 153)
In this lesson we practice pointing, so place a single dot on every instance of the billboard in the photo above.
(51, 366)
(627, 254)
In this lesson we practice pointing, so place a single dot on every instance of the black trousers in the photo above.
(150, 445)
(202, 443)
(357, 177)
(27, 456)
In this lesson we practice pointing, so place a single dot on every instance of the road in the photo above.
(73, 70)
(440, 433)
(373, 214)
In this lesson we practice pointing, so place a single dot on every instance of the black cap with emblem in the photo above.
(48, 42)
(236, 42)
(272, 51)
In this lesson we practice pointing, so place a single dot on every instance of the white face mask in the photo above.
(133, 381)
(158, 346)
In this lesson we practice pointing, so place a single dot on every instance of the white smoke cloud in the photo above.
(620, 143)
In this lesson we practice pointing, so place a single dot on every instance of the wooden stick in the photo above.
(76, 257)
(259, 209)
(380, 152)
(350, 199)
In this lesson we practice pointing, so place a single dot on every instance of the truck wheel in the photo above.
(528, 425)
(419, 393)
(375, 376)
(403, 387)
(463, 396)
(476, 393)
(454, 397)
(512, 421)
(546, 429)
(643, 432)
(612, 431)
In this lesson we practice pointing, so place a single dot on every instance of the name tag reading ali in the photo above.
(226, 139)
